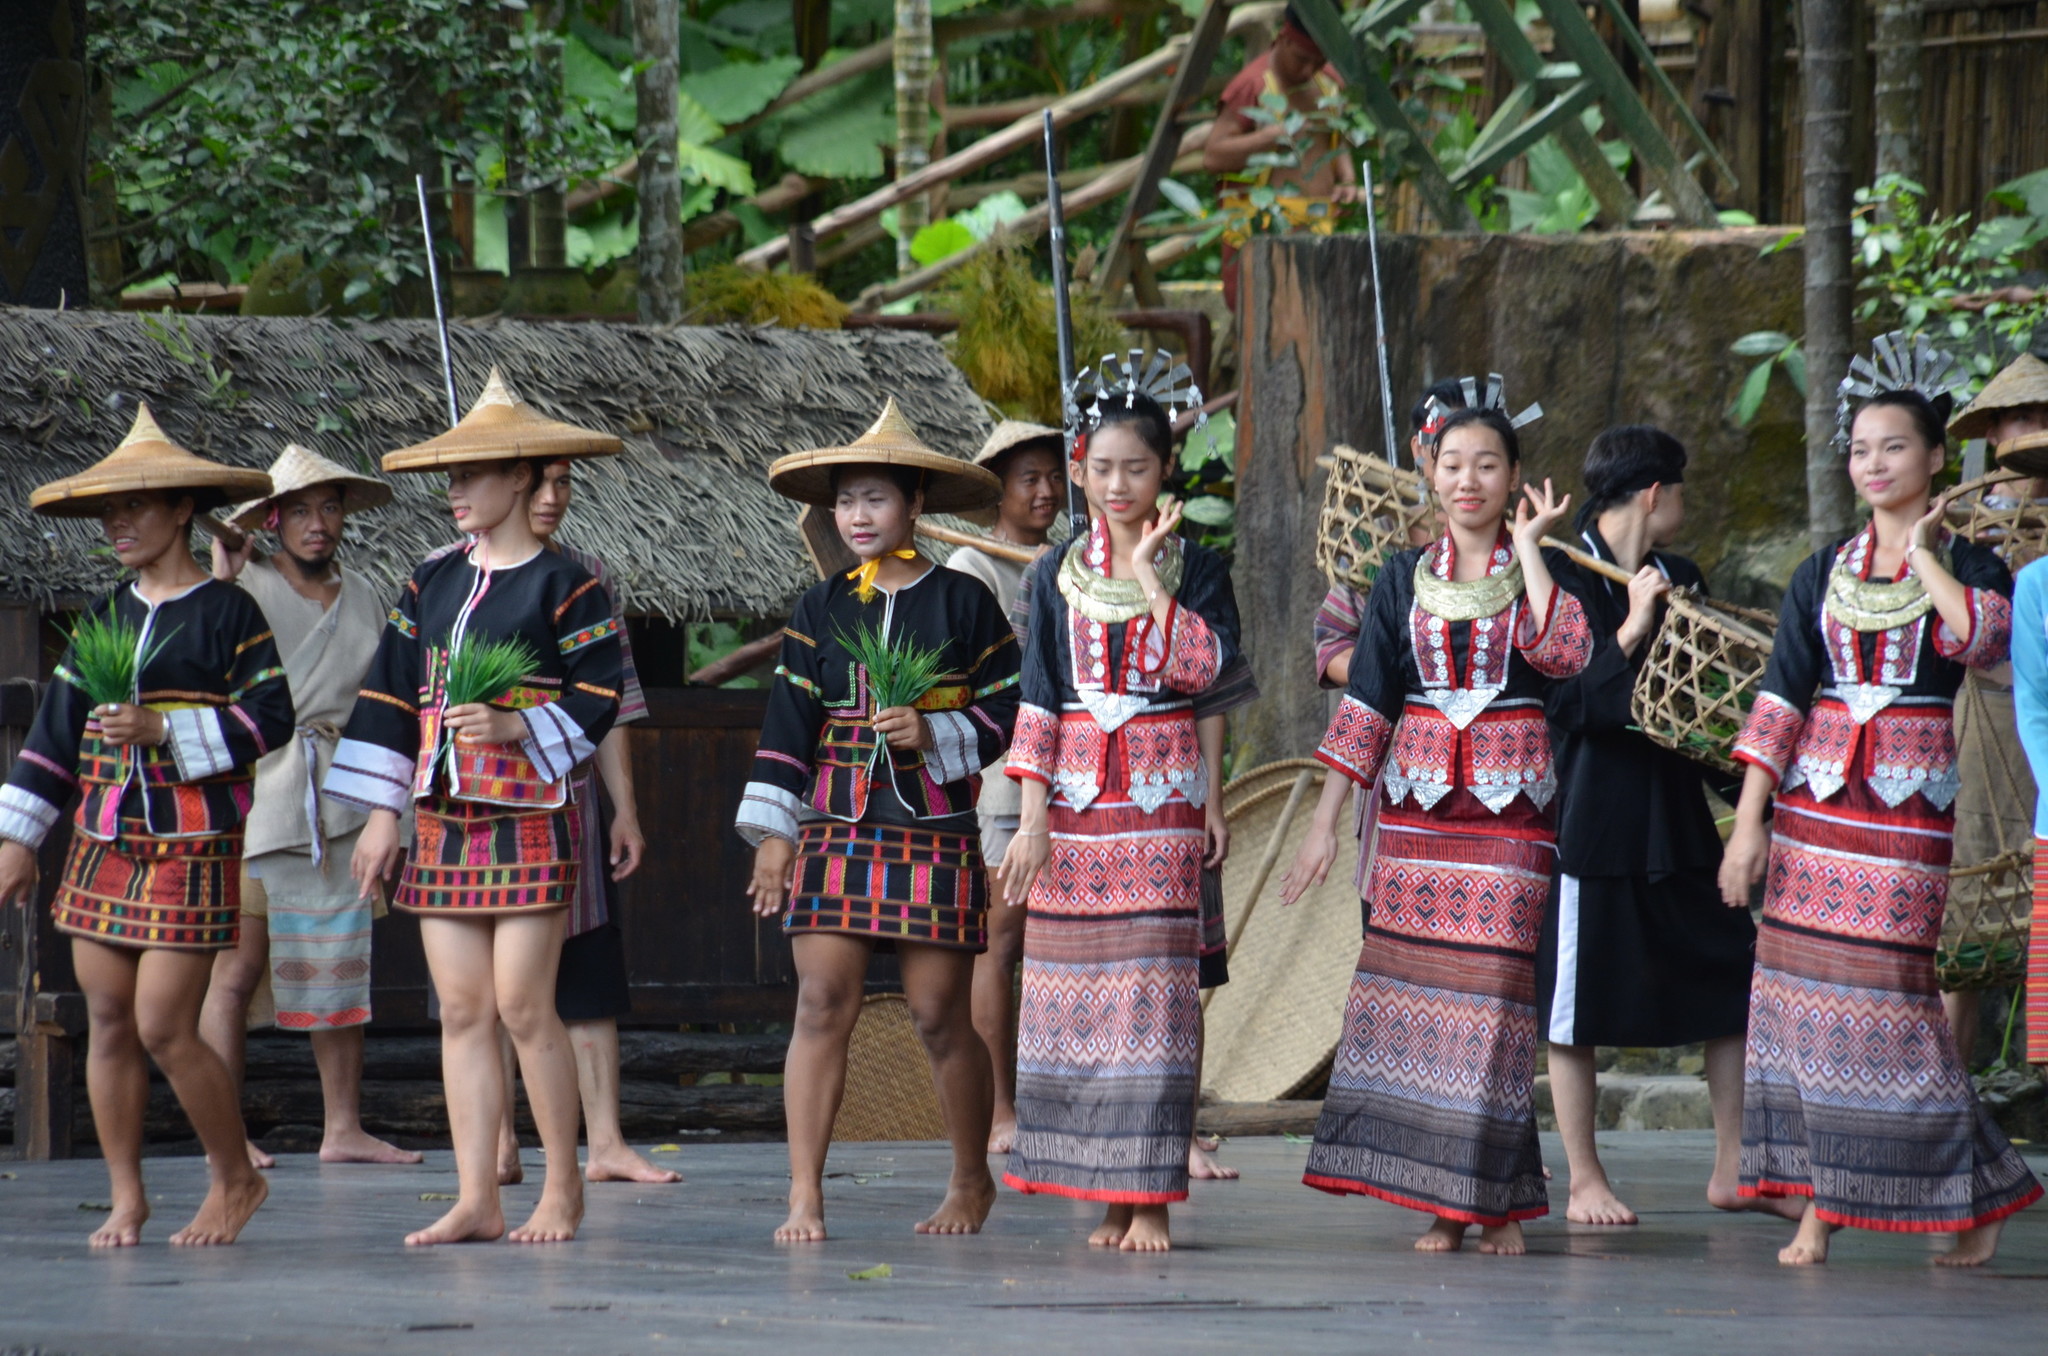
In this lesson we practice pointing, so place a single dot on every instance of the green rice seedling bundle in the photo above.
(104, 659)
(899, 672)
(485, 670)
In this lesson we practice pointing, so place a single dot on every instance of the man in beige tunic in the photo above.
(301, 917)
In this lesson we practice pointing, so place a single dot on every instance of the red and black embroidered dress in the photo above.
(888, 847)
(1109, 1026)
(1431, 1100)
(1853, 1092)
(495, 830)
(156, 840)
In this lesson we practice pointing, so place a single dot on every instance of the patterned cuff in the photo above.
(955, 752)
(1989, 643)
(766, 811)
(198, 744)
(1196, 656)
(369, 775)
(554, 741)
(1562, 645)
(25, 817)
(1770, 735)
(1035, 745)
(1356, 742)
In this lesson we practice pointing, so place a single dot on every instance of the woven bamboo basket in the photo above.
(1701, 676)
(1370, 508)
(889, 1093)
(1991, 891)
(2018, 531)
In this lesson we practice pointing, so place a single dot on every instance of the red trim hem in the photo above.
(1340, 1186)
(1891, 1226)
(1330, 762)
(1016, 1183)
(1025, 774)
(1742, 755)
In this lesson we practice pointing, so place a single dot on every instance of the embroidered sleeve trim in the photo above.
(999, 685)
(554, 741)
(766, 811)
(1770, 734)
(254, 640)
(256, 680)
(1990, 640)
(369, 775)
(784, 671)
(198, 743)
(1035, 744)
(799, 637)
(570, 601)
(403, 624)
(370, 694)
(1195, 656)
(25, 817)
(588, 635)
(1563, 645)
(953, 756)
(1356, 742)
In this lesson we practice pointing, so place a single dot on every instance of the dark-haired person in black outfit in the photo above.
(1638, 948)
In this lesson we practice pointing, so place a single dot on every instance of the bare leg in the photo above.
(459, 957)
(339, 1053)
(1202, 1165)
(1965, 1010)
(1974, 1247)
(995, 982)
(116, 1081)
(596, 1045)
(528, 948)
(829, 973)
(1574, 1092)
(170, 989)
(939, 985)
(1148, 1231)
(1724, 1087)
(1442, 1235)
(1809, 1246)
(224, 1020)
(511, 1171)
(1116, 1222)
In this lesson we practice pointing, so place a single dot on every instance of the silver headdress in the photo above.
(1494, 397)
(1897, 362)
(1155, 374)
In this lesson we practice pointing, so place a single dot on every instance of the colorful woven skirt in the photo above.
(319, 937)
(483, 859)
(890, 883)
(1109, 1029)
(1853, 1093)
(1432, 1097)
(173, 894)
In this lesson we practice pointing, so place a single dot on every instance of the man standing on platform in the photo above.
(313, 934)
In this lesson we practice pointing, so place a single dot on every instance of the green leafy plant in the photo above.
(898, 672)
(104, 657)
(1777, 351)
(485, 670)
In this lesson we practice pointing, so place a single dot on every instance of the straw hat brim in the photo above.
(301, 468)
(2027, 454)
(2020, 383)
(79, 496)
(1015, 433)
(950, 485)
(535, 441)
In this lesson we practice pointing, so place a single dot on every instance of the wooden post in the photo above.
(803, 248)
(913, 120)
(657, 32)
(1897, 100)
(1825, 61)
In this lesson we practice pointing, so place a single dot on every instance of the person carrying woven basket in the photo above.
(169, 693)
(897, 685)
(1855, 1097)
(1994, 814)
(1637, 949)
(496, 678)
(1461, 641)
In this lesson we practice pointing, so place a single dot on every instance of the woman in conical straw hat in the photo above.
(486, 760)
(169, 693)
(897, 686)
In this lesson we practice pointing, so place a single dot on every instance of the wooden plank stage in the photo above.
(1263, 1265)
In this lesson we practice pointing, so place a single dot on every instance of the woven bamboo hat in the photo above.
(301, 468)
(1013, 433)
(147, 459)
(950, 484)
(499, 426)
(2027, 454)
(2023, 382)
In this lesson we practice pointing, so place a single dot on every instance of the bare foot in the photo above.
(1443, 1235)
(1204, 1168)
(259, 1159)
(1148, 1231)
(1974, 1247)
(465, 1223)
(1809, 1247)
(511, 1172)
(806, 1222)
(1116, 1222)
(1503, 1240)
(123, 1228)
(1722, 1195)
(1594, 1202)
(554, 1220)
(359, 1146)
(620, 1163)
(965, 1208)
(222, 1214)
(1002, 1136)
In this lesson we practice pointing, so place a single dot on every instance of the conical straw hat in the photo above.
(2027, 454)
(950, 485)
(147, 459)
(498, 426)
(301, 468)
(1015, 433)
(2023, 382)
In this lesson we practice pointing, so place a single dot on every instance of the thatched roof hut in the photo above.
(684, 518)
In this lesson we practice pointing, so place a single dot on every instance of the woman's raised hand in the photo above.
(1537, 513)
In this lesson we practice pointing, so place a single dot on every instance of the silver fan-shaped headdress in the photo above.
(1492, 397)
(1897, 362)
(1155, 374)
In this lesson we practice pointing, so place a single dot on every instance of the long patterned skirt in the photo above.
(169, 894)
(1432, 1097)
(1109, 1028)
(474, 859)
(890, 883)
(1853, 1093)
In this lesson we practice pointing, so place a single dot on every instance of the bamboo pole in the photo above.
(1023, 555)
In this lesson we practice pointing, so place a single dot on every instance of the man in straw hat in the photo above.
(897, 686)
(169, 692)
(516, 651)
(302, 919)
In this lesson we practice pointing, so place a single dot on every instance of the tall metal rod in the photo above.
(1070, 414)
(1379, 313)
(440, 312)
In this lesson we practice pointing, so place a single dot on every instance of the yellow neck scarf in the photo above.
(863, 575)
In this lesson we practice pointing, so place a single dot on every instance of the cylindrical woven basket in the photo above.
(889, 1093)
(2018, 531)
(1991, 893)
(1701, 677)
(1370, 506)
